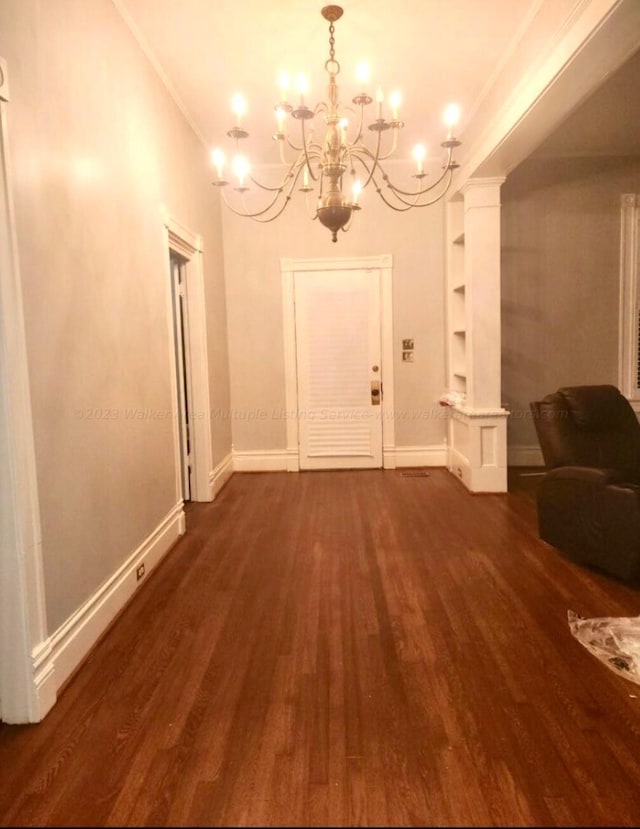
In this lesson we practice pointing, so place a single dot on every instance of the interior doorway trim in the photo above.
(383, 264)
(188, 245)
(27, 686)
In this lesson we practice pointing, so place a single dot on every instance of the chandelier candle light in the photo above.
(326, 164)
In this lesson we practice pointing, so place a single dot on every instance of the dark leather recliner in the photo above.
(589, 499)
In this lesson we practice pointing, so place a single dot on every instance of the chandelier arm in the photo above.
(302, 122)
(347, 227)
(389, 204)
(256, 216)
(358, 137)
(376, 157)
(394, 145)
(292, 145)
(421, 191)
(314, 149)
(365, 150)
(279, 187)
(418, 203)
(247, 213)
(287, 199)
(283, 160)
(369, 171)
(358, 152)
(347, 157)
(352, 111)
(353, 155)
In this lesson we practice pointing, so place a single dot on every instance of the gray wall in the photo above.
(254, 295)
(560, 278)
(98, 147)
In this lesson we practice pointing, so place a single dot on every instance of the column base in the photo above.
(478, 448)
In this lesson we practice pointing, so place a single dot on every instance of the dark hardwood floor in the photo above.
(347, 649)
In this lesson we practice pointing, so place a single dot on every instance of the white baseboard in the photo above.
(274, 460)
(219, 476)
(74, 638)
(266, 460)
(434, 455)
(44, 680)
(524, 456)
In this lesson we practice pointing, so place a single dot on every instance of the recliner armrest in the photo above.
(587, 474)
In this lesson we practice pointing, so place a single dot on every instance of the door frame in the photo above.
(188, 245)
(183, 371)
(383, 264)
(628, 328)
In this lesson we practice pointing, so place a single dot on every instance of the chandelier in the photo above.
(340, 166)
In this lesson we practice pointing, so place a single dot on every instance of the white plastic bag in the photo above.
(452, 398)
(613, 640)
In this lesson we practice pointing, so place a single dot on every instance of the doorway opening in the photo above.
(183, 373)
(187, 332)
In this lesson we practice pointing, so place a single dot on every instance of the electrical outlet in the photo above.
(140, 571)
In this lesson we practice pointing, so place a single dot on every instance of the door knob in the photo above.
(375, 392)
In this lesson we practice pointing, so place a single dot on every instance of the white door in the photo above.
(339, 371)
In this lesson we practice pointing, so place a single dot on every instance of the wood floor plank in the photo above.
(352, 648)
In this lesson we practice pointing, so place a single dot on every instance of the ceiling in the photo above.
(606, 124)
(432, 51)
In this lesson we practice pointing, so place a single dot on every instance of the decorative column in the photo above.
(478, 429)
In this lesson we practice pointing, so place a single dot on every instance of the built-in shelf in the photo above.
(457, 321)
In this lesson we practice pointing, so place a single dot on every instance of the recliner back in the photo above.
(589, 426)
